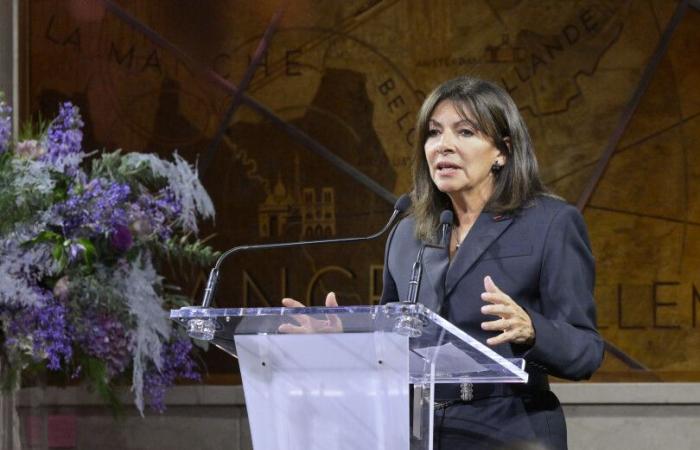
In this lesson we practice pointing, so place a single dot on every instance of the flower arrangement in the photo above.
(80, 254)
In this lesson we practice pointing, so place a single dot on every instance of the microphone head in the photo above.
(446, 217)
(403, 203)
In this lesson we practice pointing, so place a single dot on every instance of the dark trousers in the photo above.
(508, 422)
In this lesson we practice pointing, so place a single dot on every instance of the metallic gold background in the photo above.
(352, 75)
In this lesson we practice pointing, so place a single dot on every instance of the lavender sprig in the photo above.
(95, 209)
(44, 328)
(177, 364)
(64, 139)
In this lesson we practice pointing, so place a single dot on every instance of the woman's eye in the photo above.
(433, 132)
(466, 132)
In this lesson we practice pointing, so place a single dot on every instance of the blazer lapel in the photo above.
(484, 231)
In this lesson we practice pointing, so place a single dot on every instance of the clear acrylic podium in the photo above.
(340, 378)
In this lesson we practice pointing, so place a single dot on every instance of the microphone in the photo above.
(446, 218)
(401, 206)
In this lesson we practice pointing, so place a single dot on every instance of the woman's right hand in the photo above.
(308, 324)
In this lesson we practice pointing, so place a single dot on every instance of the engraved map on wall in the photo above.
(352, 76)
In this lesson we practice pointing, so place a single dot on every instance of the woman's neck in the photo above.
(467, 207)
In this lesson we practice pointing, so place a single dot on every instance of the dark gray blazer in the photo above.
(540, 257)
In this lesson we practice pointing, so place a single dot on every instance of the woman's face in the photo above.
(459, 157)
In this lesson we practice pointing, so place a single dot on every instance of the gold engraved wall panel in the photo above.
(352, 75)
(644, 220)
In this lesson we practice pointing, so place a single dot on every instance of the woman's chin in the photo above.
(448, 188)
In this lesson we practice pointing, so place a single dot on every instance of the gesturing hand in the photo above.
(514, 322)
(308, 324)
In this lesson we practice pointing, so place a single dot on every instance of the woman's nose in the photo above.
(445, 144)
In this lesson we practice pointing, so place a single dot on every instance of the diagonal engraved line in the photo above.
(296, 133)
(645, 216)
(624, 357)
(624, 148)
(625, 118)
(494, 11)
(242, 86)
(632, 105)
(611, 348)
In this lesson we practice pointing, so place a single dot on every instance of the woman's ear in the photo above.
(504, 151)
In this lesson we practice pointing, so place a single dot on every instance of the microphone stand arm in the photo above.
(213, 279)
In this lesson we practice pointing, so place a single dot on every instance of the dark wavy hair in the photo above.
(496, 116)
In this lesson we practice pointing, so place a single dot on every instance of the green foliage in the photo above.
(184, 254)
(96, 290)
(98, 379)
(114, 166)
(12, 211)
(33, 129)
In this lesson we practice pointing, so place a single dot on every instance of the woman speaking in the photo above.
(516, 272)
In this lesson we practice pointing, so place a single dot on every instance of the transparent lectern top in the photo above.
(438, 351)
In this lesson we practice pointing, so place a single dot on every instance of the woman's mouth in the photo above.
(446, 168)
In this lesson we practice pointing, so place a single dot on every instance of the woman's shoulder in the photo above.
(405, 228)
(402, 239)
(548, 206)
(549, 212)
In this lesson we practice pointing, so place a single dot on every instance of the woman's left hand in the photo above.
(514, 323)
(309, 324)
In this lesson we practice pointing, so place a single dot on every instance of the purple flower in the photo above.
(75, 251)
(154, 214)
(64, 139)
(5, 127)
(95, 209)
(168, 202)
(46, 327)
(105, 337)
(177, 363)
(121, 238)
